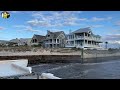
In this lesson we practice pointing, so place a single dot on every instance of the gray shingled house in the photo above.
(55, 39)
(38, 40)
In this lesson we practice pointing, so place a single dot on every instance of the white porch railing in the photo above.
(85, 45)
(52, 42)
(88, 38)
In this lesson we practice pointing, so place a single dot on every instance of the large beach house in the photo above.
(55, 39)
(83, 38)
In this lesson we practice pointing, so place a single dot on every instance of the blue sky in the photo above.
(24, 24)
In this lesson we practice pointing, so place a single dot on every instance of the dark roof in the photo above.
(3, 41)
(15, 40)
(54, 34)
(87, 29)
(20, 40)
(40, 38)
(82, 30)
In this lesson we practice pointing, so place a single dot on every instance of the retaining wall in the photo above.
(36, 59)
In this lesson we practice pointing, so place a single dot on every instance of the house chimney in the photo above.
(69, 31)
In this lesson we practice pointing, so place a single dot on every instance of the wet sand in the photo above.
(103, 70)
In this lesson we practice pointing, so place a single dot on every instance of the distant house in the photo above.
(37, 40)
(83, 38)
(55, 39)
(3, 43)
(21, 41)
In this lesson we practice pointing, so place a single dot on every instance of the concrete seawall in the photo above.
(100, 59)
(36, 59)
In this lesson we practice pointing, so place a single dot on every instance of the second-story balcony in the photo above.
(79, 37)
(87, 38)
(50, 42)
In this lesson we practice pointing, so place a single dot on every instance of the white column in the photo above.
(74, 40)
(91, 43)
(56, 40)
(84, 38)
(52, 40)
(87, 34)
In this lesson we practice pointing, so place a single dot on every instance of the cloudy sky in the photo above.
(24, 24)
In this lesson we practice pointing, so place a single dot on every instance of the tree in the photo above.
(106, 44)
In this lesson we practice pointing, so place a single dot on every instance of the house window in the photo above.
(89, 32)
(35, 40)
(69, 36)
(32, 41)
(48, 35)
(58, 40)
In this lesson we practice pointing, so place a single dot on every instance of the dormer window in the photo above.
(48, 35)
(89, 32)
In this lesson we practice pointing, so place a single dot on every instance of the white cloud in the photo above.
(97, 26)
(112, 38)
(19, 26)
(55, 18)
(97, 19)
(115, 42)
(61, 18)
(25, 28)
(109, 18)
(83, 19)
(100, 19)
(2, 28)
(118, 23)
(28, 12)
(14, 11)
(70, 24)
(37, 22)
(28, 28)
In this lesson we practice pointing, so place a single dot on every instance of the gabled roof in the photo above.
(24, 39)
(3, 41)
(82, 30)
(39, 37)
(15, 40)
(54, 34)
(20, 40)
(87, 29)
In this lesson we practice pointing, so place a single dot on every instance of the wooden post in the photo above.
(37, 76)
(82, 55)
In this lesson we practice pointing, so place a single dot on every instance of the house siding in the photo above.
(58, 41)
(83, 40)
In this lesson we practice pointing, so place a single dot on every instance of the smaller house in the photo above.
(21, 41)
(3, 43)
(38, 40)
(55, 39)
